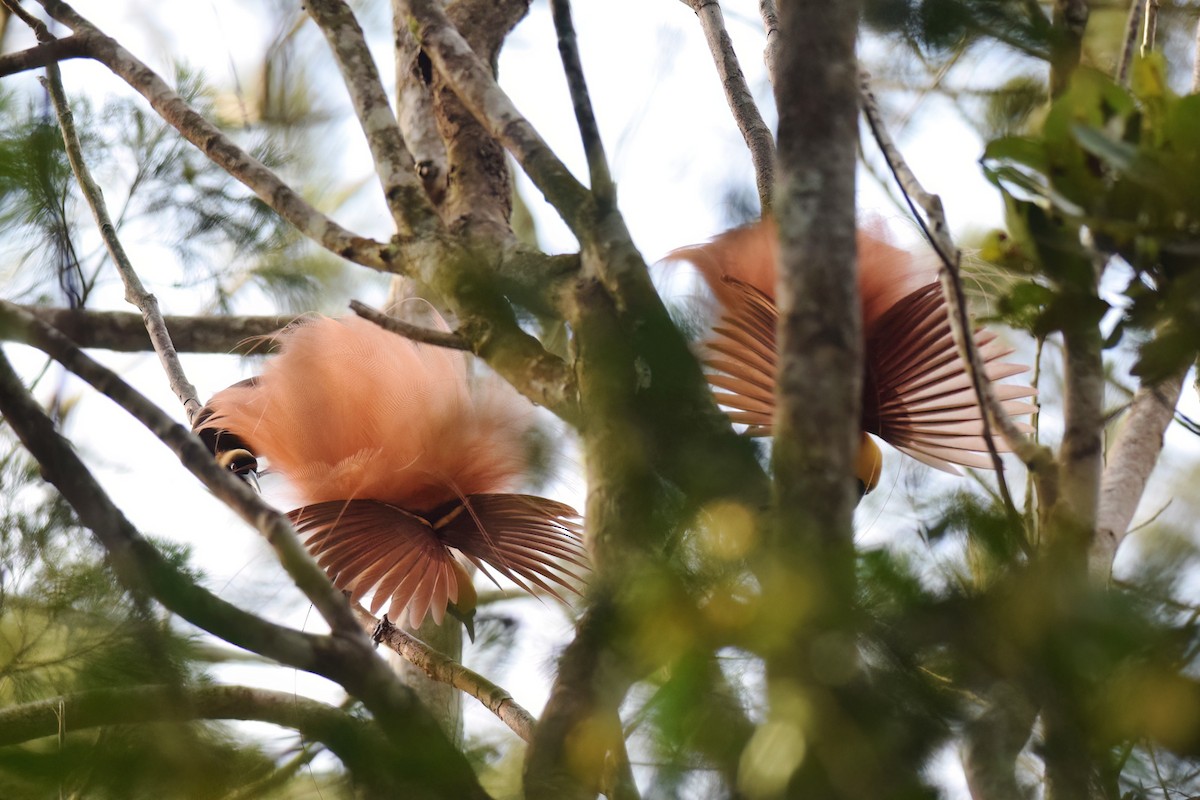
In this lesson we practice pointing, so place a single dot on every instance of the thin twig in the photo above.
(1132, 23)
(1150, 29)
(135, 292)
(593, 146)
(411, 209)
(446, 670)
(16, 8)
(933, 223)
(451, 341)
(737, 93)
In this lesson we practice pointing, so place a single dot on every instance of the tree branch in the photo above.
(414, 111)
(1196, 61)
(937, 232)
(580, 735)
(1130, 462)
(43, 55)
(360, 746)
(737, 93)
(451, 341)
(446, 670)
(473, 83)
(1151, 27)
(993, 743)
(479, 192)
(125, 332)
(218, 147)
(770, 18)
(1069, 21)
(1132, 23)
(411, 209)
(601, 181)
(135, 292)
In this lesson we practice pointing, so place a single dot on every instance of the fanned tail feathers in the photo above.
(369, 547)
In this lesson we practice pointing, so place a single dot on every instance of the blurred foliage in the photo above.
(66, 627)
(937, 26)
(162, 191)
(1122, 164)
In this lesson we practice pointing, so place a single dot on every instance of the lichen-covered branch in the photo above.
(414, 111)
(405, 196)
(478, 202)
(770, 18)
(737, 93)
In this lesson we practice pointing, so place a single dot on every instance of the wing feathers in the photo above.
(917, 394)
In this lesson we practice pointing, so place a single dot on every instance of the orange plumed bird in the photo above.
(917, 394)
(404, 466)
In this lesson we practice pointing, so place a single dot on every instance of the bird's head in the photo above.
(240, 462)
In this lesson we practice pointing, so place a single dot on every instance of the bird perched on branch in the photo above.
(404, 465)
(917, 393)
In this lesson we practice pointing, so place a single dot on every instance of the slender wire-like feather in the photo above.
(402, 463)
(917, 395)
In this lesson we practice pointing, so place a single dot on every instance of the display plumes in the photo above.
(917, 393)
(401, 462)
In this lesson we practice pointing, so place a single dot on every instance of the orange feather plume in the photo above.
(917, 395)
(401, 462)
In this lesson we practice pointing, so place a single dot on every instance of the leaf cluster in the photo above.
(1121, 164)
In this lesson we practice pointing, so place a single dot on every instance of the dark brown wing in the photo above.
(918, 396)
(527, 539)
(371, 547)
